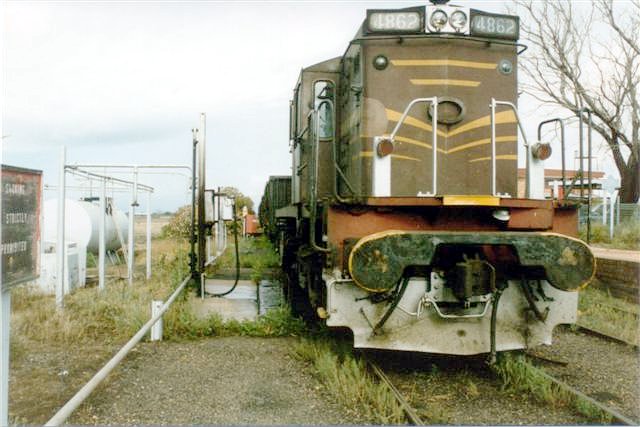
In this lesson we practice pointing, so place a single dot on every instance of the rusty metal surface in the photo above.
(21, 205)
(377, 262)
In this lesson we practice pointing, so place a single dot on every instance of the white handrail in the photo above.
(86, 390)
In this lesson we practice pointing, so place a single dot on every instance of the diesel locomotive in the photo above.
(403, 218)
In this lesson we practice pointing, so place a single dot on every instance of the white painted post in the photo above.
(612, 210)
(156, 329)
(604, 210)
(101, 235)
(60, 244)
(5, 309)
(148, 235)
(132, 214)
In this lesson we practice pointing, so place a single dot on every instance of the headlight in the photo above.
(458, 20)
(438, 19)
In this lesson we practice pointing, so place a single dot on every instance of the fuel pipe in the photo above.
(235, 242)
(500, 287)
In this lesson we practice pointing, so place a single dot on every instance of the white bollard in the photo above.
(156, 329)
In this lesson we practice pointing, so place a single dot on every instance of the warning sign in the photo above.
(21, 204)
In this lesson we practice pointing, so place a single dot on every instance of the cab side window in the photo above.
(324, 97)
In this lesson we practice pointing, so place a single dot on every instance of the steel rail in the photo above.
(605, 336)
(616, 416)
(411, 414)
(66, 411)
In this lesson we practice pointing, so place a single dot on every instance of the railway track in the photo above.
(414, 419)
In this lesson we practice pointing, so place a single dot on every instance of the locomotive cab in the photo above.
(407, 223)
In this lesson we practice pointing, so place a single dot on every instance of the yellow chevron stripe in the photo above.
(444, 82)
(443, 62)
(501, 118)
(501, 157)
(393, 156)
(462, 147)
(418, 143)
(394, 116)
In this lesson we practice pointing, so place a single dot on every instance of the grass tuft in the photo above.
(520, 376)
(613, 316)
(347, 379)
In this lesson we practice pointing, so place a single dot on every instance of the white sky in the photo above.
(124, 82)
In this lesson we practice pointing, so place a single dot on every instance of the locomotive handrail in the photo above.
(493, 105)
(562, 145)
(434, 139)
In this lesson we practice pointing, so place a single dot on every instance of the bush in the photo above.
(180, 224)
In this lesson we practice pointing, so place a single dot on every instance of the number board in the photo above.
(21, 204)
(492, 25)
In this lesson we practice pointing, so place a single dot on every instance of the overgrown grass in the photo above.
(626, 235)
(520, 376)
(256, 253)
(92, 315)
(610, 315)
(348, 380)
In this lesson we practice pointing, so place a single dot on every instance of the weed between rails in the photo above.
(348, 380)
(520, 376)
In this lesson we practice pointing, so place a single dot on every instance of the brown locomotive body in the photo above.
(416, 238)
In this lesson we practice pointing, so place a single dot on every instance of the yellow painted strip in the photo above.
(401, 157)
(444, 82)
(394, 116)
(501, 157)
(503, 117)
(443, 62)
(486, 141)
(470, 201)
(393, 156)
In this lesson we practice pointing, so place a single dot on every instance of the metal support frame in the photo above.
(579, 113)
(493, 105)
(562, 149)
(102, 235)
(202, 143)
(148, 236)
(60, 244)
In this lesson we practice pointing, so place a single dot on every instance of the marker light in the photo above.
(541, 150)
(438, 19)
(458, 20)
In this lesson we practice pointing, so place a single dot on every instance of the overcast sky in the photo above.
(124, 82)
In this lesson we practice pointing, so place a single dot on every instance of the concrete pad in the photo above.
(241, 304)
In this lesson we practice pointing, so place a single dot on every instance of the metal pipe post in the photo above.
(148, 236)
(192, 229)
(102, 239)
(5, 316)
(131, 234)
(156, 329)
(60, 244)
(202, 142)
(580, 137)
(590, 177)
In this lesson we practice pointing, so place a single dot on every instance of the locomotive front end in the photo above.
(411, 226)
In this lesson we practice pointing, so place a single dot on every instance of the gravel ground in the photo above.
(605, 370)
(234, 380)
(462, 391)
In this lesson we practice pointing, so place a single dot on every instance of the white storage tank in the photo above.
(82, 224)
